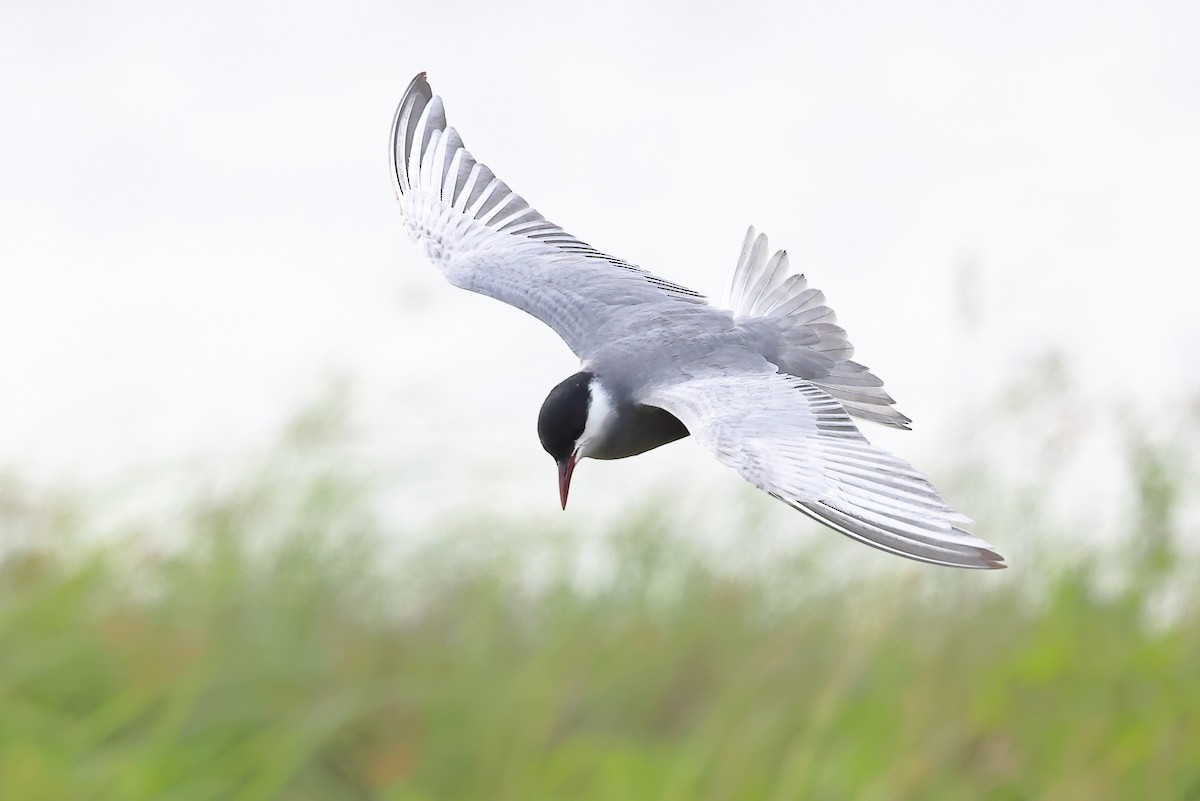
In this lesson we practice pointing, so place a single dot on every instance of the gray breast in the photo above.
(637, 429)
(657, 345)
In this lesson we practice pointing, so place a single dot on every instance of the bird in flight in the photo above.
(765, 383)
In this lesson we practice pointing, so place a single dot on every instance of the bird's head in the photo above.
(575, 416)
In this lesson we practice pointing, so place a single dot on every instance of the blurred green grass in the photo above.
(284, 651)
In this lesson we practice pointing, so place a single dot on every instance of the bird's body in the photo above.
(766, 384)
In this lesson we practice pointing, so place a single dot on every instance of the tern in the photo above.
(766, 382)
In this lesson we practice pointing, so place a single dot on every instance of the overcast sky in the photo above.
(198, 228)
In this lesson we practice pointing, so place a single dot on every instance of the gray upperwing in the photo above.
(484, 237)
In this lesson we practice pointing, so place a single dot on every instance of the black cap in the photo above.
(564, 415)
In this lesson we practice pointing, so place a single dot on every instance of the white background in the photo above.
(197, 230)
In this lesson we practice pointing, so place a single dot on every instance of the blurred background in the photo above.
(274, 519)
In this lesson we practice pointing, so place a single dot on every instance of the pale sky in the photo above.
(198, 229)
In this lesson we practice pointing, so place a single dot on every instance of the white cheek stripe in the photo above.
(601, 414)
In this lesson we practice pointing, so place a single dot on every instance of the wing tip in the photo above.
(944, 554)
(988, 560)
(419, 85)
(417, 100)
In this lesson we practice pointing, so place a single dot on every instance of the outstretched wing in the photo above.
(788, 437)
(486, 238)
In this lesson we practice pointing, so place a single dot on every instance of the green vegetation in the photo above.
(285, 651)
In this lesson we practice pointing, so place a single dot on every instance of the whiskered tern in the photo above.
(765, 383)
